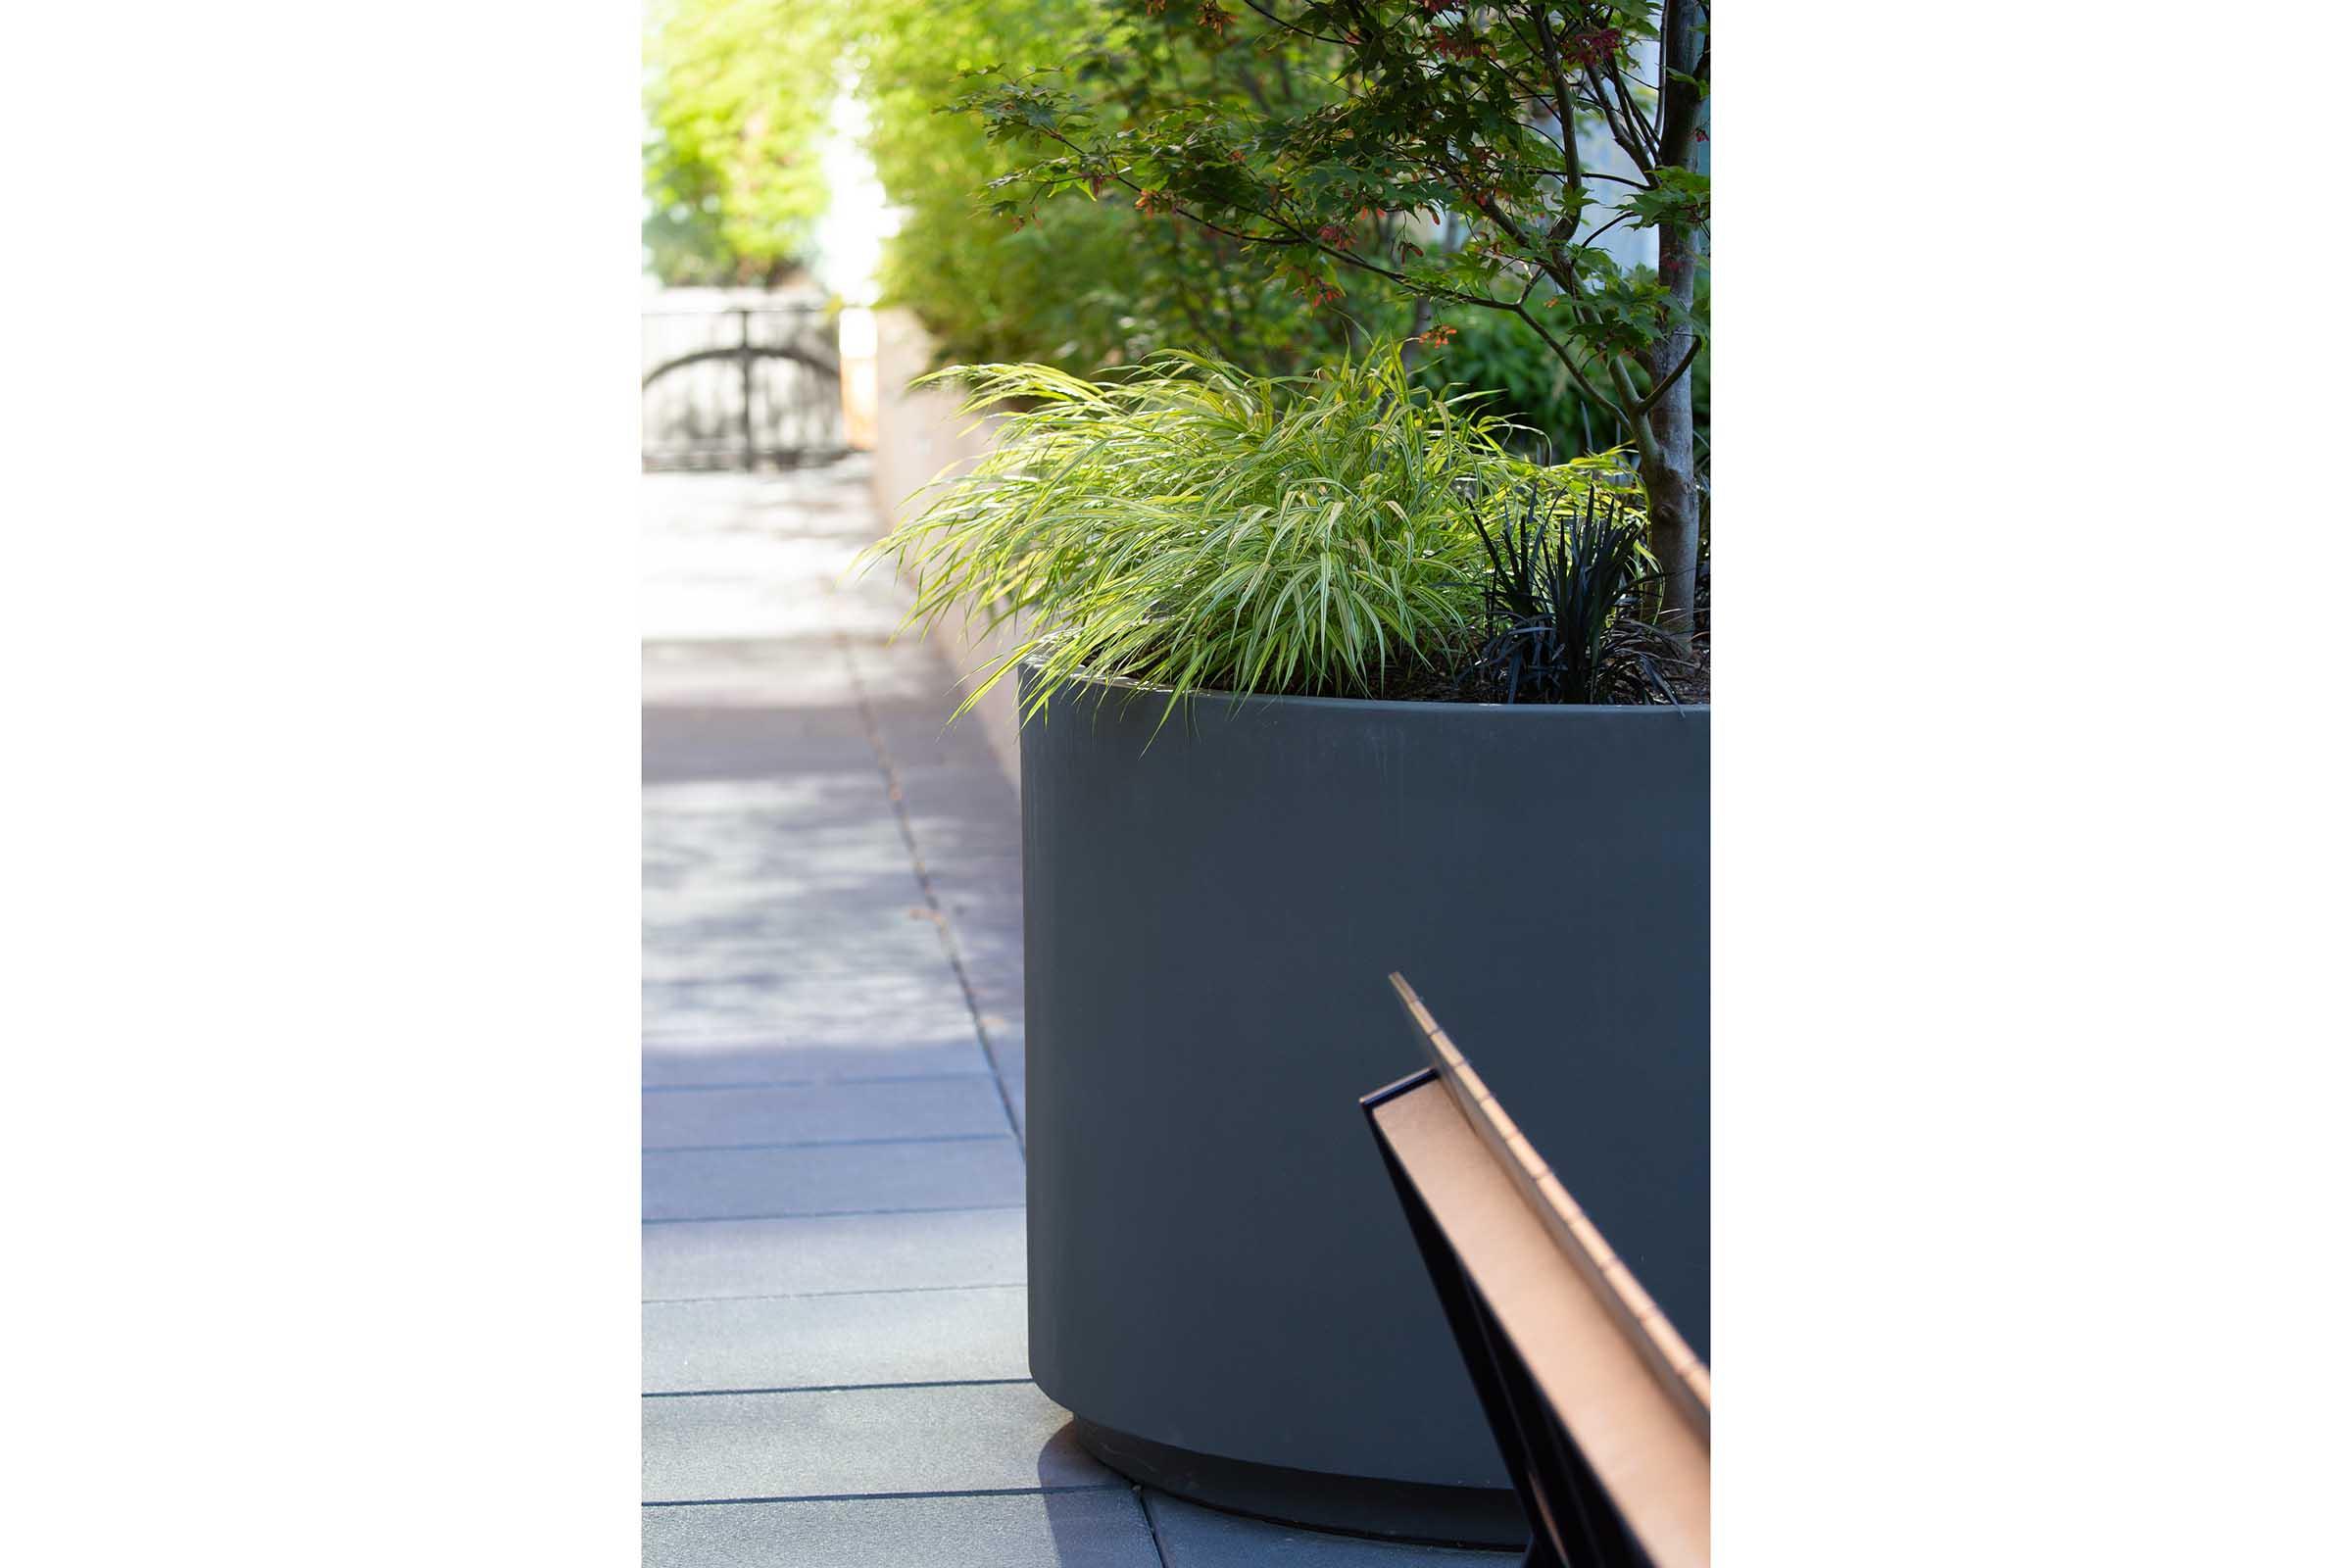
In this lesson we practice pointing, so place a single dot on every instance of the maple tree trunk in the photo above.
(1669, 466)
(1669, 445)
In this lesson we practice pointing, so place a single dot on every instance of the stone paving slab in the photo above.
(690, 852)
(798, 708)
(814, 1340)
(808, 612)
(981, 899)
(837, 935)
(860, 1441)
(1008, 1043)
(821, 1113)
(851, 951)
(965, 809)
(796, 926)
(798, 672)
(840, 939)
(843, 956)
(792, 921)
(865, 1254)
(1016, 1091)
(719, 812)
(787, 1005)
(807, 1008)
(835, 1179)
(1201, 1538)
(921, 738)
(1097, 1527)
(739, 742)
(806, 986)
(984, 892)
(791, 911)
(687, 1062)
(987, 930)
(988, 946)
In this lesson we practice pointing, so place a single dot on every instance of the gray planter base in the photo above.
(1219, 1265)
(1397, 1510)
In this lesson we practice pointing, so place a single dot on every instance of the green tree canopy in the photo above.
(736, 104)
(1423, 114)
(1081, 213)
(1075, 283)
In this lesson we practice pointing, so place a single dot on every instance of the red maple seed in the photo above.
(1595, 48)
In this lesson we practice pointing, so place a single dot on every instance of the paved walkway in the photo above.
(835, 1364)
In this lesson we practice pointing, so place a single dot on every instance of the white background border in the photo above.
(2029, 784)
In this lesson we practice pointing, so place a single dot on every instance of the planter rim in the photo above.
(1386, 705)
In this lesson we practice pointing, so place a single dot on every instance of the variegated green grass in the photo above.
(1195, 528)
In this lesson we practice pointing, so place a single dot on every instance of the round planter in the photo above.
(1222, 1289)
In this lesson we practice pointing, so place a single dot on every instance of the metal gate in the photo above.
(741, 385)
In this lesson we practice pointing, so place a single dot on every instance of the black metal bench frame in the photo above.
(1575, 1520)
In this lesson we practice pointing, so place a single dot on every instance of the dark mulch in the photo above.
(1430, 686)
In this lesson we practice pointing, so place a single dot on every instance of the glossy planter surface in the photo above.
(1221, 1286)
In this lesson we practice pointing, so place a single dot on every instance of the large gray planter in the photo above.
(1221, 1286)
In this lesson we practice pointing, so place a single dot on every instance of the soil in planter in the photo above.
(1417, 684)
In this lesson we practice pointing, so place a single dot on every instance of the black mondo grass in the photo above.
(1563, 600)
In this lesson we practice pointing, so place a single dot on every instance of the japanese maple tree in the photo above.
(1447, 149)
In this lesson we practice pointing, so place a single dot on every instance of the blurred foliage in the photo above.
(984, 289)
(1311, 134)
(1077, 282)
(736, 101)
(1087, 279)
